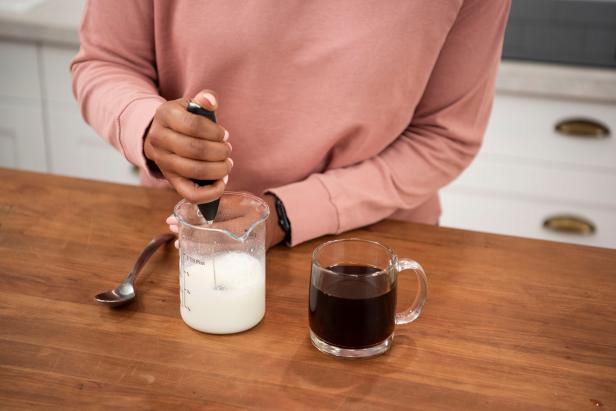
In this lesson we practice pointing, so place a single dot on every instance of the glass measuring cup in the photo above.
(222, 265)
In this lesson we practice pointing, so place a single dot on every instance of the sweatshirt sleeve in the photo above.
(114, 73)
(443, 137)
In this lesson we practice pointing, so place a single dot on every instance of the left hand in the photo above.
(273, 233)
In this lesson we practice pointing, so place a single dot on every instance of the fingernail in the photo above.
(231, 161)
(177, 244)
(225, 179)
(171, 220)
(210, 97)
(174, 228)
(230, 146)
(226, 136)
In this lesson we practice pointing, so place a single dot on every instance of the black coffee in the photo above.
(352, 312)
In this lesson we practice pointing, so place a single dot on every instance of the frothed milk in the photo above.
(235, 303)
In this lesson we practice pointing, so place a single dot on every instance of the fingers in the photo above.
(174, 225)
(194, 193)
(189, 147)
(174, 228)
(207, 99)
(193, 169)
(173, 115)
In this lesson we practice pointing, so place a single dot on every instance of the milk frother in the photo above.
(208, 210)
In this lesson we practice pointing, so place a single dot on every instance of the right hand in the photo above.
(187, 146)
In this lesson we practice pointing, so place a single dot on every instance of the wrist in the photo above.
(151, 166)
(275, 233)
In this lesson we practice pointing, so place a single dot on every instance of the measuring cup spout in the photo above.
(239, 215)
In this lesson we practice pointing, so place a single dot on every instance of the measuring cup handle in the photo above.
(411, 313)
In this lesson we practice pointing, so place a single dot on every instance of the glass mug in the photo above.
(352, 297)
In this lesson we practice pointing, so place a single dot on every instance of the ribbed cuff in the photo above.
(309, 209)
(133, 122)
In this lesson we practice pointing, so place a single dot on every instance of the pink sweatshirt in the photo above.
(349, 111)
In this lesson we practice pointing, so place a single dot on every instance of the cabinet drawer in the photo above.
(57, 74)
(577, 185)
(524, 218)
(22, 144)
(524, 127)
(19, 68)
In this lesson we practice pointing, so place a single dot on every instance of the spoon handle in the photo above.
(147, 253)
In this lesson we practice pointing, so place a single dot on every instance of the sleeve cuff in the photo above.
(133, 122)
(309, 209)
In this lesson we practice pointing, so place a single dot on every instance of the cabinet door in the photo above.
(19, 68)
(77, 151)
(57, 73)
(527, 172)
(523, 128)
(22, 144)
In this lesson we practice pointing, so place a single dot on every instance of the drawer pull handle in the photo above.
(582, 127)
(566, 223)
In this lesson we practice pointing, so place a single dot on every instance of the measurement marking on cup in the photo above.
(201, 262)
(184, 289)
(186, 274)
(194, 260)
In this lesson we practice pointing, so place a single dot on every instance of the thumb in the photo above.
(206, 99)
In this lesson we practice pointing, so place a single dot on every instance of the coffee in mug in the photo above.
(352, 297)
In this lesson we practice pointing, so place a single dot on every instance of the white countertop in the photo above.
(57, 22)
(555, 80)
(49, 21)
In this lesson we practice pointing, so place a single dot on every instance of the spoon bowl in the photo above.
(125, 292)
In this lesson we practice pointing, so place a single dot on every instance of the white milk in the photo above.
(237, 304)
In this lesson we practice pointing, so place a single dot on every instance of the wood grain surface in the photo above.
(510, 323)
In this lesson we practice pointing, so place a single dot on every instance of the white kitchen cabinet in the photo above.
(22, 140)
(527, 172)
(522, 128)
(22, 144)
(41, 128)
(57, 74)
(523, 216)
(560, 182)
(19, 67)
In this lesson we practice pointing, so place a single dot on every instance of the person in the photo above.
(338, 113)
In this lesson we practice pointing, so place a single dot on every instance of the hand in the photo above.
(187, 146)
(273, 233)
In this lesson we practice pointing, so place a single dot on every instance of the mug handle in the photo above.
(411, 313)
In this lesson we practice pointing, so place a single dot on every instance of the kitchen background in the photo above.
(547, 168)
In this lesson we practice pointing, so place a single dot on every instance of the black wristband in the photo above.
(283, 220)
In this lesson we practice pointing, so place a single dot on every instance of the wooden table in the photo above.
(510, 323)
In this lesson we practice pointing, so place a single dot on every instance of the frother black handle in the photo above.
(208, 210)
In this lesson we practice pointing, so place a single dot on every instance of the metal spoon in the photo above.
(125, 292)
